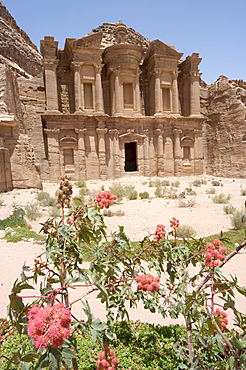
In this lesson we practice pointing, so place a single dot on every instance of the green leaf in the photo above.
(98, 325)
(232, 363)
(67, 353)
(30, 356)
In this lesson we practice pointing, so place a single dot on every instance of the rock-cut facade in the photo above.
(117, 104)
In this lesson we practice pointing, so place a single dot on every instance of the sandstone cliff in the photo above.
(225, 135)
(16, 48)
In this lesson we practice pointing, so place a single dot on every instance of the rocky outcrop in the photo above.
(225, 131)
(16, 48)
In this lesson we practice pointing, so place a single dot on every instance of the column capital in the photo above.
(80, 130)
(102, 131)
(76, 65)
(50, 130)
(177, 131)
(49, 63)
(114, 131)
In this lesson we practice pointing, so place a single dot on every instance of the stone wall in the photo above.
(225, 130)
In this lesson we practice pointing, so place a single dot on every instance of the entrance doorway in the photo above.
(130, 157)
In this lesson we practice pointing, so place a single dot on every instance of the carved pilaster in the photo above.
(118, 106)
(53, 154)
(157, 92)
(98, 91)
(114, 150)
(198, 152)
(77, 87)
(194, 93)
(102, 152)
(177, 152)
(175, 94)
(160, 159)
(50, 66)
(81, 153)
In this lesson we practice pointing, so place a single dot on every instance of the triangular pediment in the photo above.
(90, 41)
(159, 48)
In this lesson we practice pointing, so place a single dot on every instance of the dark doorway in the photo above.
(130, 157)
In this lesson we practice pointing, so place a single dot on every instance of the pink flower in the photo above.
(215, 253)
(49, 325)
(104, 199)
(148, 283)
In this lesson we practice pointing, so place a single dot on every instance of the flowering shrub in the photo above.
(104, 199)
(106, 359)
(215, 253)
(110, 275)
(148, 283)
(160, 233)
(49, 325)
(222, 316)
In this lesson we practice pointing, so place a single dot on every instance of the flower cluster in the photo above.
(148, 283)
(222, 316)
(49, 325)
(160, 233)
(215, 253)
(107, 360)
(174, 223)
(104, 199)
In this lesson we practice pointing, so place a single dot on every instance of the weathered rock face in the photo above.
(16, 48)
(225, 134)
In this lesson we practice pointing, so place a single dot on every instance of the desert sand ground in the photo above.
(140, 219)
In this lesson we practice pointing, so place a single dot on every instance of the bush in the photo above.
(118, 190)
(238, 220)
(243, 192)
(132, 195)
(159, 192)
(211, 191)
(185, 232)
(54, 212)
(32, 211)
(190, 191)
(171, 193)
(83, 192)
(14, 220)
(1, 202)
(199, 182)
(187, 203)
(175, 184)
(109, 213)
(216, 183)
(44, 199)
(80, 184)
(221, 198)
(229, 209)
(144, 195)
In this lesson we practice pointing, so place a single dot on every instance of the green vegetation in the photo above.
(229, 209)
(14, 220)
(32, 211)
(185, 232)
(216, 183)
(187, 203)
(221, 198)
(44, 199)
(144, 195)
(20, 233)
(238, 220)
(243, 192)
(1, 202)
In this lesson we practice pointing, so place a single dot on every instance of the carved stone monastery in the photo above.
(112, 103)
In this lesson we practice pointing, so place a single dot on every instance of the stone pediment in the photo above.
(91, 41)
(159, 48)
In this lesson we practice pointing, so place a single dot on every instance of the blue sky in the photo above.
(216, 29)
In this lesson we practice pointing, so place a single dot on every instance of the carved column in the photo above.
(194, 93)
(198, 152)
(114, 151)
(157, 92)
(175, 94)
(177, 152)
(152, 155)
(101, 131)
(98, 91)
(51, 84)
(81, 154)
(160, 160)
(118, 94)
(146, 154)
(77, 86)
(53, 154)
(137, 94)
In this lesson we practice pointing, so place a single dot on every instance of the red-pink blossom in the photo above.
(104, 199)
(215, 253)
(49, 325)
(148, 283)
(174, 223)
(160, 233)
(107, 360)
